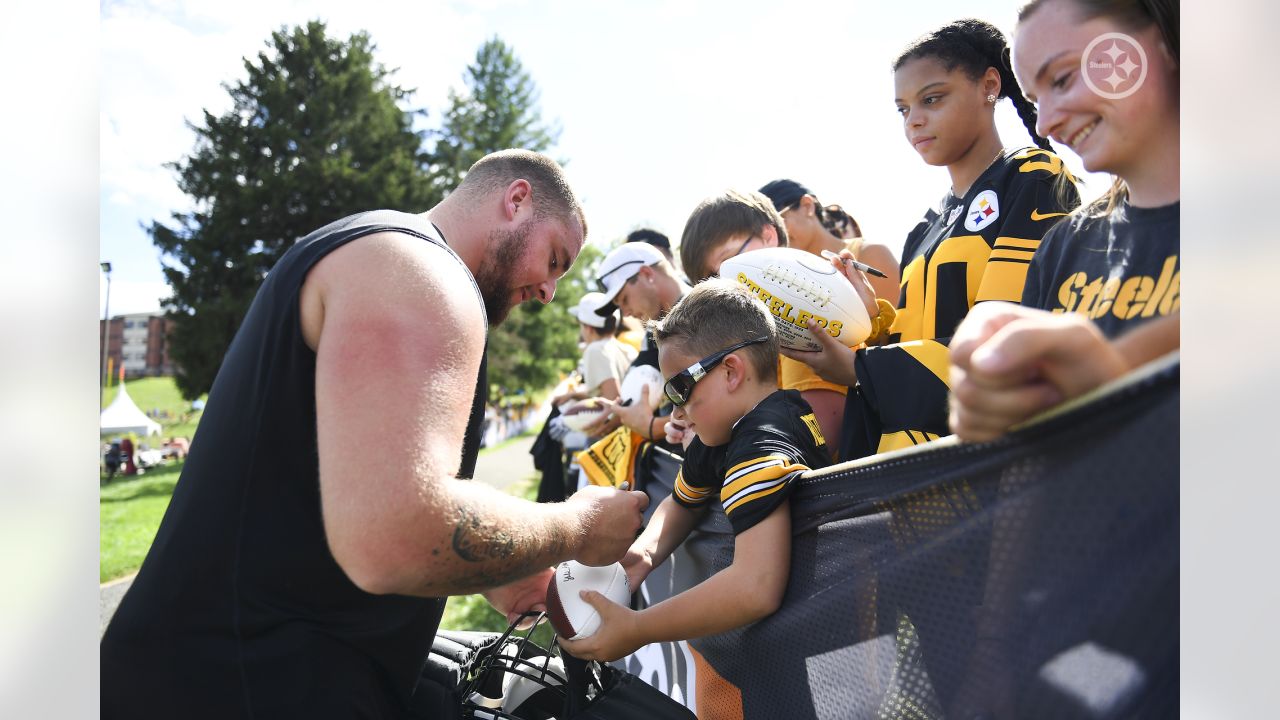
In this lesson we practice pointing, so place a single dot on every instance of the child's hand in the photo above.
(678, 432)
(833, 363)
(618, 635)
(638, 563)
(608, 421)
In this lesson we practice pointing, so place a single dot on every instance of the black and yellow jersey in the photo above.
(754, 471)
(969, 250)
(1119, 270)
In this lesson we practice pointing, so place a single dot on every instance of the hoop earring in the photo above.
(991, 99)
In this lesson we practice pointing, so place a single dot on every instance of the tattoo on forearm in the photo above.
(470, 543)
(504, 555)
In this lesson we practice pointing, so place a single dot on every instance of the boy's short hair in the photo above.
(716, 314)
(719, 218)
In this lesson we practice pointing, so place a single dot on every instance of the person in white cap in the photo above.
(637, 279)
(606, 358)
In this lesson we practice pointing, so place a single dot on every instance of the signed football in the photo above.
(570, 615)
(796, 286)
(579, 415)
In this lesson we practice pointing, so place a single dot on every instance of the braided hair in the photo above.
(973, 46)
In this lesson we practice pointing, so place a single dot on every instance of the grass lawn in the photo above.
(129, 513)
(130, 509)
(473, 612)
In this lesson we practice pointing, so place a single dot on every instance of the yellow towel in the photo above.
(611, 460)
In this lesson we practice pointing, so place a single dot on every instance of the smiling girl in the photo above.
(1105, 76)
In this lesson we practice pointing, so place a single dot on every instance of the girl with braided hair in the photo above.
(973, 247)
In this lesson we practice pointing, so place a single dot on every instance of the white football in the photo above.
(570, 615)
(795, 286)
(638, 377)
(580, 415)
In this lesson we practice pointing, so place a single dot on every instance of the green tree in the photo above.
(496, 110)
(316, 132)
(538, 343)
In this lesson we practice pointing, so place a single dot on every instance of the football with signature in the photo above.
(796, 286)
(570, 615)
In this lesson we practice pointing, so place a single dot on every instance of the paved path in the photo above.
(109, 595)
(508, 463)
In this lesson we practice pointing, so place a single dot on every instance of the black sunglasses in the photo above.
(600, 280)
(680, 386)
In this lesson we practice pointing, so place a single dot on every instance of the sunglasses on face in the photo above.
(745, 243)
(680, 386)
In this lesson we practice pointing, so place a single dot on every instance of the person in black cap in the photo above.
(639, 282)
(814, 228)
(654, 238)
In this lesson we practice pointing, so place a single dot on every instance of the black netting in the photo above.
(1032, 577)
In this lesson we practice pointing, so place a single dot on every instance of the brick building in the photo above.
(139, 343)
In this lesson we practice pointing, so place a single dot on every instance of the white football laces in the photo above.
(798, 284)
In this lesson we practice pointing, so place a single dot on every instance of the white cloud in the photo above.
(131, 296)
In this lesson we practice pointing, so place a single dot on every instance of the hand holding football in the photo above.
(572, 616)
(797, 287)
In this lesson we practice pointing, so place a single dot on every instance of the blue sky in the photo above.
(661, 103)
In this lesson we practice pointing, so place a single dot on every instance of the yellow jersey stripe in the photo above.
(762, 458)
(688, 493)
(1013, 242)
(734, 505)
(734, 484)
(904, 438)
(933, 355)
(1003, 254)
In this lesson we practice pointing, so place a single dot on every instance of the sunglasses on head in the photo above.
(680, 386)
(600, 280)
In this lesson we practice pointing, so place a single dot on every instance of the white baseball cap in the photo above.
(619, 266)
(587, 310)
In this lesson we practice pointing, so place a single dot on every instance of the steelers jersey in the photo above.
(969, 250)
(769, 448)
(1119, 270)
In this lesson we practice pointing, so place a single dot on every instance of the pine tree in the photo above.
(498, 109)
(316, 132)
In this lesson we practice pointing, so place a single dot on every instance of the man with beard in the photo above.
(320, 519)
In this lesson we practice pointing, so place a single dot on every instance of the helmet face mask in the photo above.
(514, 678)
(507, 676)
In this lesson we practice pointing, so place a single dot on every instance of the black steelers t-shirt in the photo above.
(754, 471)
(969, 250)
(1119, 270)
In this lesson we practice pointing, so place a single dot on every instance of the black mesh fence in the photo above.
(1032, 577)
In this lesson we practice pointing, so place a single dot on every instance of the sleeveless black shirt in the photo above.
(239, 609)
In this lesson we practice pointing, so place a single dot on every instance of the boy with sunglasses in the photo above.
(719, 348)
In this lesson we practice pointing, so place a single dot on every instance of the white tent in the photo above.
(122, 416)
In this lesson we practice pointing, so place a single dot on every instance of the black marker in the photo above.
(860, 265)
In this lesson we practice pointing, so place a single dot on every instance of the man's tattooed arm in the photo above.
(498, 551)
